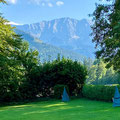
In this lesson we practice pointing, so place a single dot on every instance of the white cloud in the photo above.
(42, 2)
(59, 3)
(50, 4)
(13, 23)
(12, 1)
(38, 2)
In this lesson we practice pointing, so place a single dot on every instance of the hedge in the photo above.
(58, 90)
(99, 92)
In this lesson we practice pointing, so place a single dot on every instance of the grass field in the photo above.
(80, 109)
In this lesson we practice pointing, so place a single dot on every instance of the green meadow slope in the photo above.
(80, 109)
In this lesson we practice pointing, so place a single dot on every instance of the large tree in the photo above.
(10, 44)
(106, 32)
(16, 62)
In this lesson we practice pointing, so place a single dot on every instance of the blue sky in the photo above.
(32, 11)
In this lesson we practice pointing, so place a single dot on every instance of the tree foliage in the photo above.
(106, 32)
(98, 74)
(16, 62)
(63, 72)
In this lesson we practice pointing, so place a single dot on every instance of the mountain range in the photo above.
(65, 34)
(48, 52)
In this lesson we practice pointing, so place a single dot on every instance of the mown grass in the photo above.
(79, 109)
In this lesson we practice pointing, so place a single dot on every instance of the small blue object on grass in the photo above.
(65, 97)
(116, 99)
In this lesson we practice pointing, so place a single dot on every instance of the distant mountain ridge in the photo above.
(48, 52)
(67, 33)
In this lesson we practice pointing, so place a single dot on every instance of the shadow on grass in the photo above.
(74, 110)
(60, 107)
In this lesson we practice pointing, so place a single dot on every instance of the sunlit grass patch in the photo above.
(80, 109)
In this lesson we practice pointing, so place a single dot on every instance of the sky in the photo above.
(32, 11)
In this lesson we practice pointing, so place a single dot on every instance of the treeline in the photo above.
(98, 74)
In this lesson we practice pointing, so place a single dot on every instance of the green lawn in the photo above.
(80, 109)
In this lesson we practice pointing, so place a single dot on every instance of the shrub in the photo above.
(60, 72)
(99, 92)
(70, 73)
(58, 91)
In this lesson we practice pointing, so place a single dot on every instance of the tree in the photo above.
(16, 63)
(98, 74)
(100, 71)
(10, 74)
(91, 75)
(29, 63)
(72, 74)
(106, 32)
(87, 62)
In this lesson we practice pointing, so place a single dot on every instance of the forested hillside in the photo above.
(47, 51)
